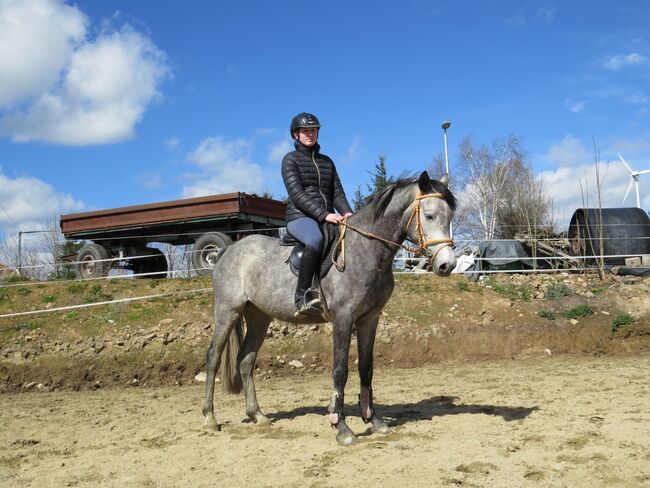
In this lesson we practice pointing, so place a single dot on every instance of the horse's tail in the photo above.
(231, 376)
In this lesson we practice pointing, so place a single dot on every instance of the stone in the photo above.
(296, 364)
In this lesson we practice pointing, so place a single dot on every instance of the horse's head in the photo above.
(429, 222)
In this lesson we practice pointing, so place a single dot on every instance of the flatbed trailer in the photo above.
(120, 236)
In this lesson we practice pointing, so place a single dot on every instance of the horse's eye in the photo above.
(428, 216)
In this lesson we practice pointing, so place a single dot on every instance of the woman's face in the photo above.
(308, 136)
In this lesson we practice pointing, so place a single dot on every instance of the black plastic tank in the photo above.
(620, 232)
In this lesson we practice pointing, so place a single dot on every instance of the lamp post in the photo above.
(445, 125)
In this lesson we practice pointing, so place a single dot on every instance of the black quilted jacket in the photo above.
(313, 184)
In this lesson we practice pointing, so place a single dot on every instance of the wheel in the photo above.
(205, 250)
(156, 262)
(90, 261)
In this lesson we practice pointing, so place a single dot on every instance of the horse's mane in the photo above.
(377, 203)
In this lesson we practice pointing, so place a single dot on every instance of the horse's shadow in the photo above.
(425, 409)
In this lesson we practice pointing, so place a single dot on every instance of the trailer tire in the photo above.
(205, 251)
(90, 264)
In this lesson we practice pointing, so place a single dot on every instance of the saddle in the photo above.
(328, 254)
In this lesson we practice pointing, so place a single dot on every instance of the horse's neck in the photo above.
(390, 226)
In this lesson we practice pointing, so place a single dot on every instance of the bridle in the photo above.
(423, 243)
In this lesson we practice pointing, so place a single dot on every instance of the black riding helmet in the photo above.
(303, 120)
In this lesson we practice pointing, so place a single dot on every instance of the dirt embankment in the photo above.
(163, 340)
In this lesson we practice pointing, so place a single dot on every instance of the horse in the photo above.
(253, 283)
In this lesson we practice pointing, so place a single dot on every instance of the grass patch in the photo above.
(621, 320)
(598, 291)
(558, 290)
(77, 288)
(96, 295)
(462, 286)
(546, 314)
(49, 299)
(579, 311)
(71, 314)
(510, 290)
(27, 326)
(15, 279)
(23, 291)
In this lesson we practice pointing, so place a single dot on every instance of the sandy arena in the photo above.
(552, 421)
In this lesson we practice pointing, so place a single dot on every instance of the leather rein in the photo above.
(423, 243)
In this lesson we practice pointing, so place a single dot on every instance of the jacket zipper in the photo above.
(318, 172)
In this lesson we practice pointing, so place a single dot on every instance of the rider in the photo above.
(314, 191)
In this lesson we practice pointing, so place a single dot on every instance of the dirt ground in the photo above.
(549, 421)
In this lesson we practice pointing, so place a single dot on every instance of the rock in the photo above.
(548, 351)
(165, 322)
(296, 364)
(200, 377)
(573, 321)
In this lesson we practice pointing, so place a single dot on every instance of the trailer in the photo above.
(120, 237)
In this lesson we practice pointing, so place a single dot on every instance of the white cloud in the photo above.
(27, 202)
(576, 107)
(573, 184)
(637, 98)
(620, 61)
(569, 152)
(76, 90)
(224, 166)
(37, 39)
(354, 151)
(172, 143)
(278, 150)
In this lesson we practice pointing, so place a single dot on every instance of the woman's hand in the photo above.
(347, 214)
(333, 218)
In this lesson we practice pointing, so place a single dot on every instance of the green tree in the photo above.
(380, 177)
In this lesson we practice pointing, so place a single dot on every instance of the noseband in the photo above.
(423, 244)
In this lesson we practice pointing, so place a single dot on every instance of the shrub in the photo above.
(621, 320)
(49, 298)
(76, 287)
(546, 314)
(558, 290)
(579, 311)
(510, 290)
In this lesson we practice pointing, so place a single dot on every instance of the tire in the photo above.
(205, 251)
(155, 263)
(90, 264)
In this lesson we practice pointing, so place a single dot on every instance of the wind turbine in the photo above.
(635, 180)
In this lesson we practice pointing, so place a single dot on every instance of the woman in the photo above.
(314, 191)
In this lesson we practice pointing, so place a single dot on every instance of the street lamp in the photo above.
(445, 125)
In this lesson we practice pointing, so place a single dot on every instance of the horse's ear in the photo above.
(424, 182)
(445, 179)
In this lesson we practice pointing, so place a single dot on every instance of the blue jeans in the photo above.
(307, 231)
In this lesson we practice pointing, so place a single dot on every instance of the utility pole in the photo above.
(20, 252)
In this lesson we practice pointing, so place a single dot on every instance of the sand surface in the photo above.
(552, 421)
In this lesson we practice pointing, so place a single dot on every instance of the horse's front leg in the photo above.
(366, 332)
(341, 335)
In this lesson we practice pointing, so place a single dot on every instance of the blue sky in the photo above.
(112, 103)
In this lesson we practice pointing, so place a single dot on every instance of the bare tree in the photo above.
(501, 193)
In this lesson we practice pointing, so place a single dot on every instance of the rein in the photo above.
(422, 243)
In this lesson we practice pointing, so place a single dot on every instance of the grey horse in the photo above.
(252, 283)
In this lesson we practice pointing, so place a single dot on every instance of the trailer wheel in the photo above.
(90, 261)
(155, 262)
(205, 250)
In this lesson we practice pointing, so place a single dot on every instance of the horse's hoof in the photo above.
(346, 437)
(261, 420)
(379, 426)
(210, 423)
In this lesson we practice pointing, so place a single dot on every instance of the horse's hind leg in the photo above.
(366, 331)
(257, 323)
(225, 321)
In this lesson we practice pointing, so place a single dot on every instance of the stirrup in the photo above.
(310, 303)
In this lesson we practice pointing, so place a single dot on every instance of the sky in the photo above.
(111, 103)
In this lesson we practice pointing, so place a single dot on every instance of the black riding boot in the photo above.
(308, 298)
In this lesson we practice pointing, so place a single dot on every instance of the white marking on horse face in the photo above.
(435, 218)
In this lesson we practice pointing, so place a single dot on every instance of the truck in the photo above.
(121, 237)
